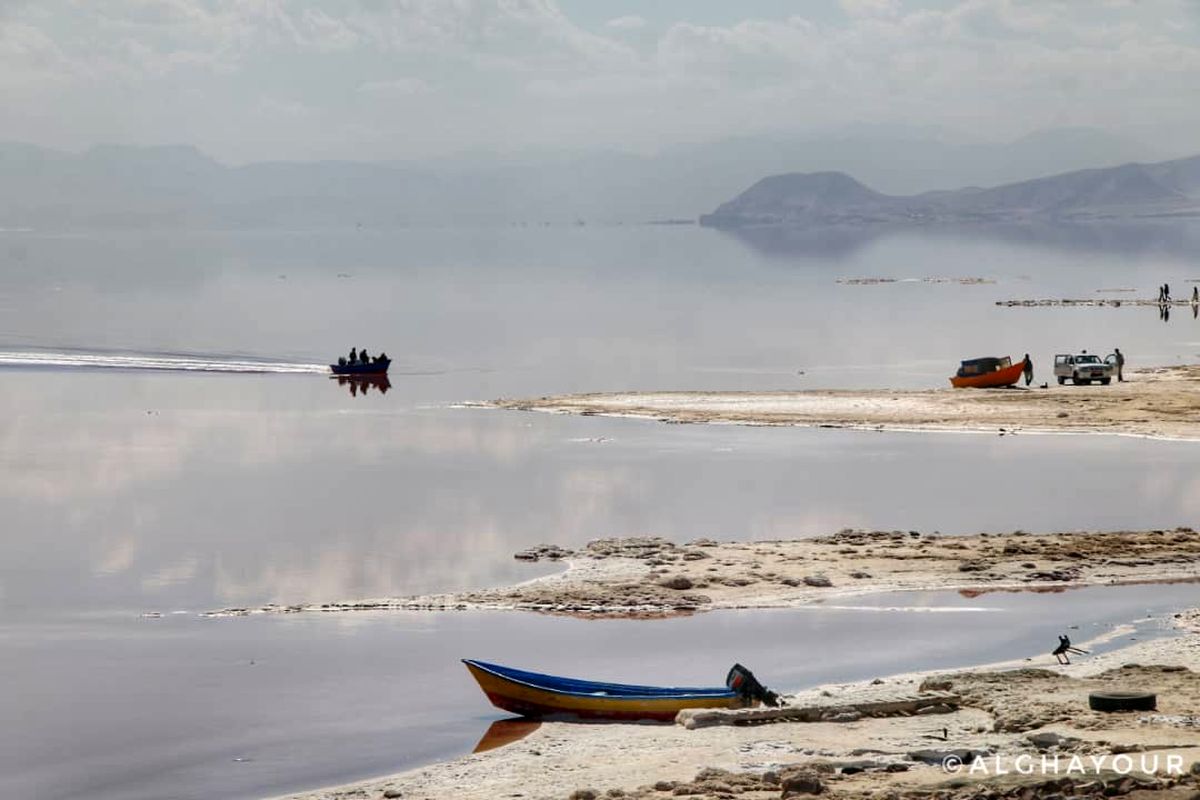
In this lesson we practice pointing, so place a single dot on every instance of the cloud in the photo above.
(395, 87)
(522, 73)
(871, 8)
(631, 22)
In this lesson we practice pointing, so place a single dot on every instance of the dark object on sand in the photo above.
(1064, 649)
(984, 373)
(1122, 701)
(532, 694)
(742, 681)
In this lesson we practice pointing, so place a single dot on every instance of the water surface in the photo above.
(168, 444)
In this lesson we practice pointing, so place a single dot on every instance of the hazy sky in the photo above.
(259, 79)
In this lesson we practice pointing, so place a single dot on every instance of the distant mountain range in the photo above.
(174, 187)
(1164, 189)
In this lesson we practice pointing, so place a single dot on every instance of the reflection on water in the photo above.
(505, 731)
(160, 485)
(200, 492)
(190, 708)
(361, 384)
(1173, 238)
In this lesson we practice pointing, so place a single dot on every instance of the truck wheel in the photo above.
(1105, 381)
(1122, 701)
(1061, 380)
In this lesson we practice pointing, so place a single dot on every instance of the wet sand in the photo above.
(1029, 708)
(1160, 402)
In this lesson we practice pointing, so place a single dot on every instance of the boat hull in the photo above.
(1001, 377)
(534, 695)
(374, 368)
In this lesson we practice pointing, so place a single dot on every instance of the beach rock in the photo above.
(1047, 739)
(798, 781)
(817, 580)
(392, 794)
(681, 582)
(584, 794)
(550, 552)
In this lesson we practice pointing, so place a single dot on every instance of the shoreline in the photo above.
(1003, 710)
(651, 577)
(999, 706)
(1154, 403)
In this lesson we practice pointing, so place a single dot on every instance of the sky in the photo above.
(248, 80)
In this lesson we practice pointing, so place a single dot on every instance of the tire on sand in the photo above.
(1122, 701)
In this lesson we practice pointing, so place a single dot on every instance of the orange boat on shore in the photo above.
(987, 373)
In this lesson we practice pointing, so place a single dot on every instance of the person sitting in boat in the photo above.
(363, 358)
(341, 361)
(353, 355)
(382, 358)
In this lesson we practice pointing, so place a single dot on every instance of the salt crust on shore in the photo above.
(1159, 402)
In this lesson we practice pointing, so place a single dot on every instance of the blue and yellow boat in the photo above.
(532, 694)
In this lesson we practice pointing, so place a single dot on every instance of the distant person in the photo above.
(1028, 370)
(1195, 295)
(353, 355)
(1120, 364)
(1166, 293)
(383, 357)
(363, 357)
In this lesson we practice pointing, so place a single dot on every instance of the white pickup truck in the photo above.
(1084, 368)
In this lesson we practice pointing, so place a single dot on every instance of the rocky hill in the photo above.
(1168, 188)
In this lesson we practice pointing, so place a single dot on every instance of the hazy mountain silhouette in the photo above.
(180, 187)
(1169, 188)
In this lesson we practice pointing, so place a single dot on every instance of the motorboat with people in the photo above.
(987, 373)
(360, 363)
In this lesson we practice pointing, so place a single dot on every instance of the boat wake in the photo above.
(177, 362)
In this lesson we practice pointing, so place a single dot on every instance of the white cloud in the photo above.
(871, 8)
(630, 22)
(396, 87)
(521, 73)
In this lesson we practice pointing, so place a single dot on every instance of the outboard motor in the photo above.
(742, 681)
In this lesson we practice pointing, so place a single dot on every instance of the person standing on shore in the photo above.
(1028, 370)
(1120, 364)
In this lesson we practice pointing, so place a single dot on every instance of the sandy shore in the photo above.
(636, 577)
(1026, 709)
(998, 706)
(1160, 402)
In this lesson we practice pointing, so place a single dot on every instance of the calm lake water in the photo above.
(127, 490)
